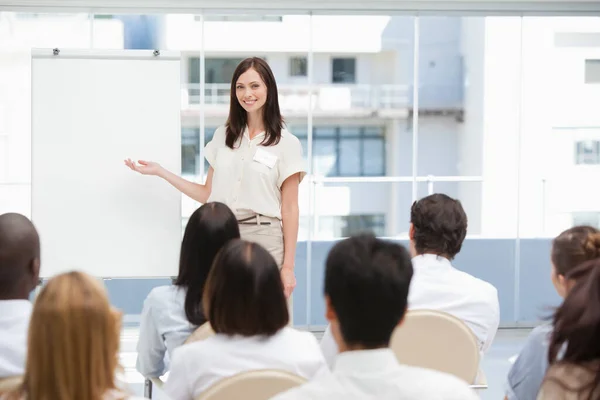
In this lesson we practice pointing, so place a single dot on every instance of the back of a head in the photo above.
(575, 246)
(19, 256)
(244, 293)
(440, 225)
(208, 229)
(577, 321)
(367, 281)
(73, 340)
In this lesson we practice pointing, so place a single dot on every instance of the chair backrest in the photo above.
(252, 385)
(439, 341)
(10, 383)
(204, 331)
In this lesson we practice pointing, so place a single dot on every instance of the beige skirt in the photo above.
(268, 236)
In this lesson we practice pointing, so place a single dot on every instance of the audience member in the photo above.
(246, 306)
(366, 289)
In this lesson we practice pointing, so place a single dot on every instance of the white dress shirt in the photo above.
(14, 324)
(163, 327)
(437, 285)
(197, 366)
(377, 375)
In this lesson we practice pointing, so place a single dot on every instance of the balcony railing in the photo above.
(337, 97)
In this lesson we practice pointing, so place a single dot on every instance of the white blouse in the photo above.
(248, 178)
(197, 366)
(163, 327)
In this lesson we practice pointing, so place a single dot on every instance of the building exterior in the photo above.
(507, 109)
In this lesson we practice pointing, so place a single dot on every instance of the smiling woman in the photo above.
(256, 167)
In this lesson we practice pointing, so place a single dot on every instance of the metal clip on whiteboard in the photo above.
(56, 51)
(156, 53)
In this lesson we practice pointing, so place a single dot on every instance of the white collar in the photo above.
(365, 361)
(431, 260)
(247, 134)
(15, 307)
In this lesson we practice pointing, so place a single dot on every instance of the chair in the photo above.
(439, 341)
(10, 383)
(204, 331)
(252, 385)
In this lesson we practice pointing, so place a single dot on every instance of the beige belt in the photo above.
(257, 219)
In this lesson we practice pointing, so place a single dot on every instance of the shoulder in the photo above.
(219, 136)
(299, 336)
(288, 139)
(164, 294)
(541, 334)
(440, 382)
(485, 289)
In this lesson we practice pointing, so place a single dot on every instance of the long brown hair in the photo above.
(73, 341)
(577, 323)
(238, 117)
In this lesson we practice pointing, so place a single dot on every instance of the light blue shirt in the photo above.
(527, 373)
(164, 327)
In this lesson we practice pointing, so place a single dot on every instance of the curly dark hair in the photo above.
(440, 225)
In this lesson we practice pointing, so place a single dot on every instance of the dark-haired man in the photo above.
(366, 290)
(438, 227)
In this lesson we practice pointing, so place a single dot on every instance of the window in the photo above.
(348, 225)
(190, 149)
(220, 70)
(587, 152)
(298, 66)
(592, 71)
(346, 150)
(343, 70)
(586, 218)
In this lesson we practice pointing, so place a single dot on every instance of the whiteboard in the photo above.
(90, 111)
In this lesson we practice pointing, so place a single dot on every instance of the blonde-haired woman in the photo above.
(73, 343)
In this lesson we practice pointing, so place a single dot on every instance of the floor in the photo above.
(496, 364)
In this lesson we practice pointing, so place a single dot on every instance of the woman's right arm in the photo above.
(195, 191)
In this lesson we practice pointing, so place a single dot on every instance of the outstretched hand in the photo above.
(144, 167)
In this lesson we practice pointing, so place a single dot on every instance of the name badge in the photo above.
(264, 157)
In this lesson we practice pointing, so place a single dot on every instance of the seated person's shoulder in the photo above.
(163, 296)
(483, 287)
(301, 337)
(438, 383)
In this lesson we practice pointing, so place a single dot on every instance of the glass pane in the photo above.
(362, 82)
(558, 190)
(15, 198)
(350, 157)
(129, 31)
(344, 209)
(351, 131)
(220, 70)
(325, 157)
(373, 156)
(298, 66)
(467, 193)
(343, 70)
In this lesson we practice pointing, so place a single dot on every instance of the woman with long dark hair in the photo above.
(256, 167)
(171, 313)
(570, 249)
(574, 353)
(246, 307)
